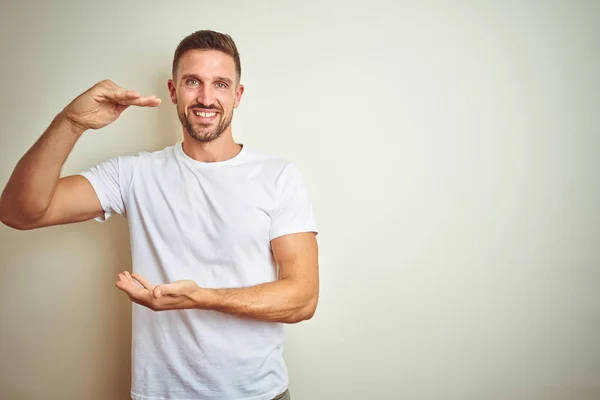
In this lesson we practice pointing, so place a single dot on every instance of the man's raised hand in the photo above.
(102, 104)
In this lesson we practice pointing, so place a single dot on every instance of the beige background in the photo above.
(452, 152)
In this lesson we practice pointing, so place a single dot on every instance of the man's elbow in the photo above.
(8, 218)
(305, 313)
(13, 225)
(309, 312)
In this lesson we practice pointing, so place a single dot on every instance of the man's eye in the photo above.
(221, 85)
(192, 81)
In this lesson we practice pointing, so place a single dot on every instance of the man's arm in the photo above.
(29, 192)
(35, 195)
(290, 299)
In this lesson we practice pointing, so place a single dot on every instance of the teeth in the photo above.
(205, 114)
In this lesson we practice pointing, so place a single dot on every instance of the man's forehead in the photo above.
(206, 62)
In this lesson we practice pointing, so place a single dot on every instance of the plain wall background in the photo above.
(452, 153)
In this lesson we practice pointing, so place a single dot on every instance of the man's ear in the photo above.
(238, 95)
(172, 91)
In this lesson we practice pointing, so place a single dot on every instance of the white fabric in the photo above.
(211, 223)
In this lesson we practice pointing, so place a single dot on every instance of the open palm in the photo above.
(170, 296)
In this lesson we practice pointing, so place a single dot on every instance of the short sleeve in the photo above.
(293, 212)
(111, 179)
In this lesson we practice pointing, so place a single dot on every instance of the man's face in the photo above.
(206, 91)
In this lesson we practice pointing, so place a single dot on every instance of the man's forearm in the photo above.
(31, 186)
(280, 301)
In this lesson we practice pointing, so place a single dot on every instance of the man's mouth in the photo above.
(205, 115)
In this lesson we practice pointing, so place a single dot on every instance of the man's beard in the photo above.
(203, 132)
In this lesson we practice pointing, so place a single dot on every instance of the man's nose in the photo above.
(205, 95)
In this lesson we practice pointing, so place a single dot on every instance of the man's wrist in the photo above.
(66, 123)
(205, 299)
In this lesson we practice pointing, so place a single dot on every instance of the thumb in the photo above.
(162, 290)
(120, 108)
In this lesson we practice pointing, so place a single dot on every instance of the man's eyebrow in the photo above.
(185, 76)
(224, 79)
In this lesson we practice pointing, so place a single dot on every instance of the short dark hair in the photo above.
(208, 40)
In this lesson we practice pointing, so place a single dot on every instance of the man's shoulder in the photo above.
(260, 157)
(278, 170)
(157, 154)
(147, 156)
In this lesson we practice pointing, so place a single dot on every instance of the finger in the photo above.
(143, 281)
(151, 101)
(118, 95)
(124, 285)
(131, 98)
(123, 95)
(119, 283)
(122, 278)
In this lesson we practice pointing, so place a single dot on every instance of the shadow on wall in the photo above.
(168, 126)
(62, 304)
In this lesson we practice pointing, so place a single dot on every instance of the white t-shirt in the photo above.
(211, 223)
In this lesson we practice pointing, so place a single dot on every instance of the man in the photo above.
(223, 238)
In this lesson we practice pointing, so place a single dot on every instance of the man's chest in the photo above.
(228, 210)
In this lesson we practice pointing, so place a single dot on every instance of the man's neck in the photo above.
(221, 149)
